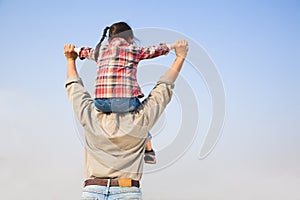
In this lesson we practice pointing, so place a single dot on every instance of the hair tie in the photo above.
(105, 31)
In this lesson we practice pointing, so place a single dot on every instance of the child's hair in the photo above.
(119, 29)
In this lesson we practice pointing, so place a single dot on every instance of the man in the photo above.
(115, 142)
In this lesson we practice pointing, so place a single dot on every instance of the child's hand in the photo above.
(172, 46)
(69, 52)
(77, 50)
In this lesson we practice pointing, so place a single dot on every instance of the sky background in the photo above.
(255, 46)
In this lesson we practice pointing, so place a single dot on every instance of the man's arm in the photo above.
(161, 94)
(181, 49)
(79, 97)
(71, 56)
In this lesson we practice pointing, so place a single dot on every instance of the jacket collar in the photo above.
(118, 42)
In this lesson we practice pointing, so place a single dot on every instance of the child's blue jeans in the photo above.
(117, 105)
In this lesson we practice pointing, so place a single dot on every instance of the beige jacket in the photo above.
(115, 143)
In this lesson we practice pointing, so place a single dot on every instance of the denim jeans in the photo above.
(96, 192)
(117, 105)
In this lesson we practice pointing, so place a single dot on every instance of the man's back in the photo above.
(115, 143)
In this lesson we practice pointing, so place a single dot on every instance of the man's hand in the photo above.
(69, 52)
(71, 56)
(181, 48)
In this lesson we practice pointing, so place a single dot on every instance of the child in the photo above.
(116, 88)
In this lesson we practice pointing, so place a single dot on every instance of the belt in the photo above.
(122, 182)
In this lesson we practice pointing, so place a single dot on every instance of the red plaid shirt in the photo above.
(117, 66)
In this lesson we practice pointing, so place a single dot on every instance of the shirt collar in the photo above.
(118, 42)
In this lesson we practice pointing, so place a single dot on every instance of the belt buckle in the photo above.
(124, 182)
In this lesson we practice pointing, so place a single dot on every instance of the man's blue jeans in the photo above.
(96, 192)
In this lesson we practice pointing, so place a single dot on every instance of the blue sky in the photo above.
(255, 46)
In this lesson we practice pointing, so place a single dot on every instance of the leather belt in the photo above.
(122, 182)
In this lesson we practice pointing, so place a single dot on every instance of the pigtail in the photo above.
(99, 44)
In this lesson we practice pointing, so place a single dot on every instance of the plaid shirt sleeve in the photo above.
(153, 51)
(87, 53)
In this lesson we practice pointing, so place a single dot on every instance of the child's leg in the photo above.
(148, 146)
(148, 142)
(103, 105)
(123, 105)
(116, 105)
(149, 152)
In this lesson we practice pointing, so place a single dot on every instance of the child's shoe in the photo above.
(149, 157)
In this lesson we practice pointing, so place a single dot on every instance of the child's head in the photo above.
(119, 29)
(122, 30)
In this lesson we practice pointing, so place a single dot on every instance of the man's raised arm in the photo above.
(181, 49)
(161, 94)
(79, 97)
(71, 56)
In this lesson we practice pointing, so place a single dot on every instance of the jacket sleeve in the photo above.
(80, 99)
(154, 105)
(153, 51)
(86, 53)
